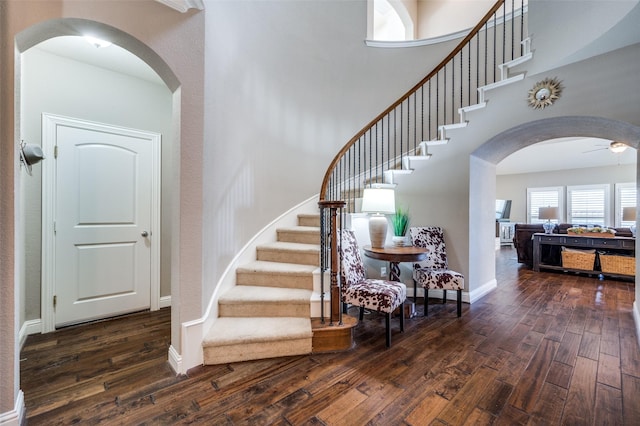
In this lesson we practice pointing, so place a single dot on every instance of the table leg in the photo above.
(394, 275)
(394, 271)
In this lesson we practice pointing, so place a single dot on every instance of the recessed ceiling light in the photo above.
(97, 42)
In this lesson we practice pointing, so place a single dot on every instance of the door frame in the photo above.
(50, 122)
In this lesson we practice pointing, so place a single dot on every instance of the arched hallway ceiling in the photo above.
(113, 57)
(564, 154)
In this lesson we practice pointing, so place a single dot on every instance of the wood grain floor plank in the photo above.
(549, 406)
(589, 346)
(442, 370)
(579, 407)
(608, 406)
(526, 392)
(630, 400)
(569, 347)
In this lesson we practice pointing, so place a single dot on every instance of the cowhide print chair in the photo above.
(373, 294)
(434, 272)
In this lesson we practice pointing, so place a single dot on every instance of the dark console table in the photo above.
(542, 242)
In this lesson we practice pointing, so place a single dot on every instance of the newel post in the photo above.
(329, 255)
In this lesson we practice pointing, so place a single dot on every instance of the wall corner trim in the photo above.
(482, 291)
(33, 326)
(175, 360)
(16, 417)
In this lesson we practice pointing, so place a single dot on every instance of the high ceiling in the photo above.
(557, 154)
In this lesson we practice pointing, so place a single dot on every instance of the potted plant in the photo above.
(400, 221)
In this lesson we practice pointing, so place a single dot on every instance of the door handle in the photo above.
(144, 234)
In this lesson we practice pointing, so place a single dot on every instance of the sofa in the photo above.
(523, 232)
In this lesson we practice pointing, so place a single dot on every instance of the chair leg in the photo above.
(402, 318)
(361, 316)
(459, 303)
(415, 291)
(387, 321)
(444, 296)
(344, 308)
(426, 301)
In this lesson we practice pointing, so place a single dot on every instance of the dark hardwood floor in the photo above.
(542, 349)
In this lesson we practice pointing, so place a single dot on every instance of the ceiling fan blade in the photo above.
(591, 150)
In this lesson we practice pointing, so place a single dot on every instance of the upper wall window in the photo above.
(391, 21)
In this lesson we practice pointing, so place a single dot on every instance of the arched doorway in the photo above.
(482, 186)
(73, 27)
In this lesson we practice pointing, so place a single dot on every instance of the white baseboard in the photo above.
(29, 327)
(482, 291)
(175, 360)
(467, 296)
(636, 318)
(165, 302)
(16, 417)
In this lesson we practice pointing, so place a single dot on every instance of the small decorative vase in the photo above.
(399, 241)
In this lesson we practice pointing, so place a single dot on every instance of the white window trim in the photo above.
(607, 202)
(561, 205)
(619, 187)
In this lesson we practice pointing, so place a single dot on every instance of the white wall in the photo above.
(514, 187)
(160, 39)
(288, 84)
(79, 90)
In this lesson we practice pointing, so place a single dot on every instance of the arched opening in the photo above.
(126, 44)
(482, 186)
(392, 21)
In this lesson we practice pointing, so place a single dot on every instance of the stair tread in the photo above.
(230, 331)
(248, 293)
(300, 228)
(282, 245)
(276, 267)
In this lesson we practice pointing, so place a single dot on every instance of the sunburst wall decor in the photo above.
(544, 93)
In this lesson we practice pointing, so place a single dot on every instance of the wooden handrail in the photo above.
(364, 154)
(414, 89)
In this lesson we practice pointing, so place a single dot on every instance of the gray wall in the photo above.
(514, 187)
(79, 90)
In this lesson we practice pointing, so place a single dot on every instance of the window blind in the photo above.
(587, 205)
(542, 197)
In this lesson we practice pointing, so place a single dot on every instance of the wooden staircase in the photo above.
(268, 313)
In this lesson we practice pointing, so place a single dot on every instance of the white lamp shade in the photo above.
(629, 214)
(548, 213)
(379, 200)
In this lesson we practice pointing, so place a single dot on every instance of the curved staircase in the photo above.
(268, 312)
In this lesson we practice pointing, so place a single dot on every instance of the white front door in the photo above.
(103, 210)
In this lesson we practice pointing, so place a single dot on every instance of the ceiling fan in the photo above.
(615, 147)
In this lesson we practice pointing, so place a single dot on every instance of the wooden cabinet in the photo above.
(547, 248)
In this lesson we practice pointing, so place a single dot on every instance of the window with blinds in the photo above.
(625, 197)
(588, 205)
(544, 197)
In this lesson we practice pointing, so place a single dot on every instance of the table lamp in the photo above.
(379, 201)
(629, 215)
(548, 214)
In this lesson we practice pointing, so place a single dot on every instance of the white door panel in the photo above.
(103, 210)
